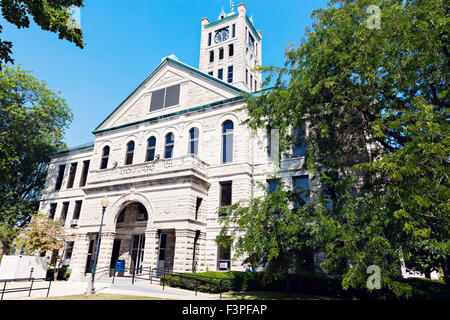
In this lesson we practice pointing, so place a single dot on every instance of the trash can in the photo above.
(120, 267)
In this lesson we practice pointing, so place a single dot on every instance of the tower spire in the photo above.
(232, 5)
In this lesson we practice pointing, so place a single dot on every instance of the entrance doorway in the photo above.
(91, 253)
(166, 251)
(115, 253)
(137, 252)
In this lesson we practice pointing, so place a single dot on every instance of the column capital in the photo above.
(151, 233)
(185, 233)
(109, 235)
(82, 236)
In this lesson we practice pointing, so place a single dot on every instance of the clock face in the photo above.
(221, 35)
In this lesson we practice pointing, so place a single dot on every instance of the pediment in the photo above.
(196, 89)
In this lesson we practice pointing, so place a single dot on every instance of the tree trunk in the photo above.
(288, 286)
(58, 264)
(428, 273)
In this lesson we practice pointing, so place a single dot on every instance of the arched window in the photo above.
(227, 141)
(105, 157)
(151, 145)
(193, 141)
(130, 153)
(170, 142)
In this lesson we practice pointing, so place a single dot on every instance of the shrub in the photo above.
(302, 283)
(211, 282)
(63, 274)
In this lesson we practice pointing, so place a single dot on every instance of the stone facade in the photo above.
(164, 211)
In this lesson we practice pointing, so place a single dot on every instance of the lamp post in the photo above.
(91, 290)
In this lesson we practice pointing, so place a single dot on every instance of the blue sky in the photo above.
(125, 41)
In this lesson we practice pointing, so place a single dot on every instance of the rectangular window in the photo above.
(91, 251)
(84, 174)
(251, 82)
(209, 38)
(73, 171)
(223, 258)
(225, 193)
(64, 211)
(331, 195)
(220, 74)
(211, 56)
(251, 41)
(234, 30)
(197, 207)
(59, 180)
(157, 102)
(231, 50)
(256, 85)
(246, 76)
(273, 184)
(301, 186)
(172, 96)
(299, 148)
(230, 74)
(162, 247)
(221, 51)
(52, 211)
(76, 212)
(69, 250)
(165, 98)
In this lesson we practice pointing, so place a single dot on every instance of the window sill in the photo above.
(163, 109)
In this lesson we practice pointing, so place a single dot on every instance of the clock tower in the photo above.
(230, 49)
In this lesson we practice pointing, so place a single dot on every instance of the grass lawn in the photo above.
(269, 295)
(101, 296)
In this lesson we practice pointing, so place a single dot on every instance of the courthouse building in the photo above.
(172, 153)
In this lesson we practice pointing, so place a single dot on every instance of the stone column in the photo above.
(200, 254)
(184, 250)
(79, 256)
(151, 249)
(104, 254)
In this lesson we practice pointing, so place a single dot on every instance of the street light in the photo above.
(90, 290)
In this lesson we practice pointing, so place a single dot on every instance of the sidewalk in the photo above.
(120, 287)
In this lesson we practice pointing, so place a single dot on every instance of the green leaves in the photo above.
(269, 232)
(49, 15)
(376, 105)
(32, 123)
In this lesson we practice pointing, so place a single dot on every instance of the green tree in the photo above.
(48, 15)
(7, 236)
(375, 104)
(32, 123)
(268, 233)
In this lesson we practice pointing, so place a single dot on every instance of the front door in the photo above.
(115, 253)
(137, 253)
(161, 254)
(91, 253)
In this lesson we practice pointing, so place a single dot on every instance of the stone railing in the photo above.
(187, 162)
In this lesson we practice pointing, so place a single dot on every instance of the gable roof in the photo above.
(159, 67)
